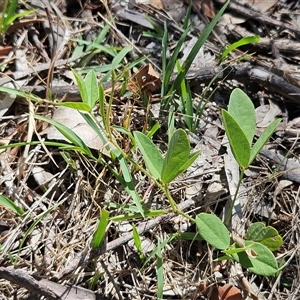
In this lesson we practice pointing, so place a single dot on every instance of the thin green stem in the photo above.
(229, 215)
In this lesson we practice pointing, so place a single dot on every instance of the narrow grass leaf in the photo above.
(152, 156)
(239, 143)
(243, 41)
(262, 140)
(101, 229)
(137, 240)
(162, 245)
(120, 56)
(67, 133)
(242, 110)
(92, 88)
(7, 203)
(160, 272)
(200, 42)
(75, 105)
(212, 229)
(262, 262)
(128, 182)
(176, 157)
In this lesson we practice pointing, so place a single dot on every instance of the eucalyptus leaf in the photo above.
(212, 229)
(152, 156)
(242, 110)
(239, 143)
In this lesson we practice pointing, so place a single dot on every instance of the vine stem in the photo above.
(229, 215)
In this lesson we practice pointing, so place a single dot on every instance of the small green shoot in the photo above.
(240, 123)
(8, 15)
(242, 42)
(7, 203)
(101, 229)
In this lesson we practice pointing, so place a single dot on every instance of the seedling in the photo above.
(240, 123)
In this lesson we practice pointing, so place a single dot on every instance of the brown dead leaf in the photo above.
(145, 80)
(226, 292)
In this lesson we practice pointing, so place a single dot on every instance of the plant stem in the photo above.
(228, 217)
(173, 204)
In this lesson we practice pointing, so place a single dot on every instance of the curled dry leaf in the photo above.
(145, 80)
(226, 292)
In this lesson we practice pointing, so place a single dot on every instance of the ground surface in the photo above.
(47, 251)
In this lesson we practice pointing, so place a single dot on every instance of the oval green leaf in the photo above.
(176, 157)
(266, 235)
(212, 229)
(258, 259)
(242, 110)
(238, 141)
(152, 156)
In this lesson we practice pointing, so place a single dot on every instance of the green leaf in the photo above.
(176, 157)
(266, 235)
(262, 140)
(160, 271)
(82, 87)
(243, 41)
(195, 50)
(7, 203)
(152, 156)
(92, 88)
(137, 240)
(67, 133)
(258, 259)
(239, 143)
(191, 158)
(101, 229)
(75, 105)
(242, 110)
(212, 229)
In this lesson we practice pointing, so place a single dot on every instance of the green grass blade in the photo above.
(101, 229)
(67, 133)
(137, 240)
(238, 141)
(200, 42)
(160, 272)
(7, 203)
(128, 182)
(243, 41)
(82, 87)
